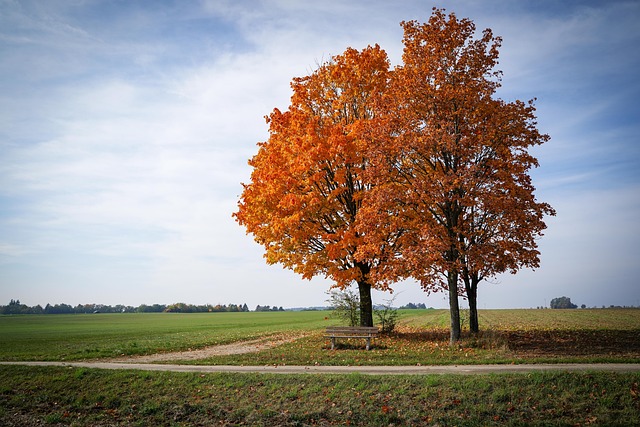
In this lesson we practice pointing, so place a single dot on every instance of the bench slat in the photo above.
(365, 331)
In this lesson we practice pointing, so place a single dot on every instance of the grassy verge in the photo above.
(78, 397)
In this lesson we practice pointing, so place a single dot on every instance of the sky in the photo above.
(126, 126)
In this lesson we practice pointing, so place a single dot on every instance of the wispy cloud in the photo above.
(125, 131)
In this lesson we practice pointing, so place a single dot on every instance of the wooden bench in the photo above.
(366, 332)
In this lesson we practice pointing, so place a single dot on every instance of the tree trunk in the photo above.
(366, 302)
(471, 281)
(454, 308)
(472, 295)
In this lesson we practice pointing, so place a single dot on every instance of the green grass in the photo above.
(86, 336)
(79, 397)
(509, 336)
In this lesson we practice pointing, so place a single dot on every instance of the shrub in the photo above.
(346, 306)
(387, 316)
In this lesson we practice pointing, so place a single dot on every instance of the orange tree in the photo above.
(309, 182)
(501, 227)
(373, 175)
(462, 160)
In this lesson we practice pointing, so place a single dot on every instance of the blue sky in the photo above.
(125, 128)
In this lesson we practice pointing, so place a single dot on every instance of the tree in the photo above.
(372, 175)
(14, 307)
(309, 183)
(462, 160)
(562, 302)
(500, 231)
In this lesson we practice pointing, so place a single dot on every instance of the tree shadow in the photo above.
(345, 345)
(575, 342)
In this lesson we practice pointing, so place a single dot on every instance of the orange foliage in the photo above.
(308, 182)
(372, 175)
(465, 158)
(461, 157)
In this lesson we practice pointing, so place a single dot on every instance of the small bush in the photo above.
(387, 317)
(346, 306)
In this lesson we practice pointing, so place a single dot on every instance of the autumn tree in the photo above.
(501, 230)
(308, 184)
(462, 159)
(372, 175)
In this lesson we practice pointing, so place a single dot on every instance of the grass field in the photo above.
(79, 397)
(86, 336)
(84, 397)
(509, 336)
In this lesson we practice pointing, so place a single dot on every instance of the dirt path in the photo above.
(240, 347)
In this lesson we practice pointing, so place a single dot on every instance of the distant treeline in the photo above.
(412, 306)
(15, 307)
(268, 308)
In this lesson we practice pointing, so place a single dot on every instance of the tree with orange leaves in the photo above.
(309, 180)
(371, 175)
(462, 159)
(501, 229)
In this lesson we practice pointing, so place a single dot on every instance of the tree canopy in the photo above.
(308, 184)
(462, 158)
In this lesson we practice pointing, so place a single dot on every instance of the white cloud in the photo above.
(125, 138)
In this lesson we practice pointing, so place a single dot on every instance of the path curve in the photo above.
(239, 347)
(368, 370)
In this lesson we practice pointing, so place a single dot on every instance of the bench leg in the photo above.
(368, 343)
(333, 342)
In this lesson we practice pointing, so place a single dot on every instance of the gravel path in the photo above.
(369, 370)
